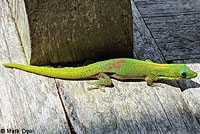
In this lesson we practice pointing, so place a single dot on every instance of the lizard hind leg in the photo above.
(103, 81)
(150, 79)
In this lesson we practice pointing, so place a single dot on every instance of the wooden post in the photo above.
(74, 31)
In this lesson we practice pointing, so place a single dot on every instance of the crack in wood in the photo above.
(65, 111)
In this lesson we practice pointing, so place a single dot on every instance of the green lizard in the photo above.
(120, 68)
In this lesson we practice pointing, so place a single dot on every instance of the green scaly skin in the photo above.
(121, 68)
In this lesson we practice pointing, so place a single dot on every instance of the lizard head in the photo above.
(177, 72)
(184, 72)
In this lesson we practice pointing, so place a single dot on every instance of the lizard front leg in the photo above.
(104, 80)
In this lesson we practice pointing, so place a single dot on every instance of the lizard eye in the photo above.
(183, 74)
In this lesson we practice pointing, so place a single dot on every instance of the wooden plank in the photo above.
(156, 8)
(27, 101)
(145, 46)
(18, 11)
(174, 25)
(129, 107)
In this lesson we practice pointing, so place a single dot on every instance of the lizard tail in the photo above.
(63, 73)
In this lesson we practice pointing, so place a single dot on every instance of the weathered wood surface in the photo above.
(174, 25)
(27, 101)
(64, 32)
(51, 106)
(18, 11)
(130, 107)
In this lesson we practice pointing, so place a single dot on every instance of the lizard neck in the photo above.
(166, 71)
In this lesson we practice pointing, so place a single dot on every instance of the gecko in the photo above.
(119, 68)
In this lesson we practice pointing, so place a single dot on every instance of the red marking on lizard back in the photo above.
(179, 67)
(187, 69)
(121, 61)
(116, 66)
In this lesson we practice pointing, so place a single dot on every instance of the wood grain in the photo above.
(130, 107)
(48, 105)
(27, 101)
(19, 15)
(174, 25)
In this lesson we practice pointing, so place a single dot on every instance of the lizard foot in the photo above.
(104, 80)
(102, 88)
